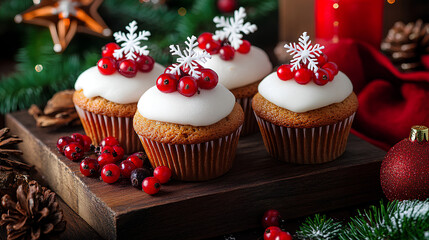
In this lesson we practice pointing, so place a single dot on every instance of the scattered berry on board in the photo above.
(62, 142)
(162, 173)
(89, 167)
(105, 158)
(126, 168)
(308, 63)
(110, 173)
(151, 185)
(74, 151)
(109, 141)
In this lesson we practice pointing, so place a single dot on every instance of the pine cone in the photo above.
(404, 44)
(35, 214)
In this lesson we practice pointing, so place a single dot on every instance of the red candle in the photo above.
(358, 19)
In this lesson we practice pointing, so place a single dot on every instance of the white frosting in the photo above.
(117, 88)
(242, 70)
(302, 98)
(206, 108)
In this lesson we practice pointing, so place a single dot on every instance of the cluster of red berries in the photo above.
(226, 52)
(326, 72)
(272, 222)
(74, 146)
(186, 84)
(108, 65)
(108, 163)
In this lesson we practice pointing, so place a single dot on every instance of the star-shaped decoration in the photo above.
(64, 18)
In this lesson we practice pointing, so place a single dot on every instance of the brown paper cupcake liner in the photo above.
(194, 162)
(250, 125)
(305, 145)
(98, 127)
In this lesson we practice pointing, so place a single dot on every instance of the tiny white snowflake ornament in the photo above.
(233, 27)
(188, 58)
(130, 46)
(304, 53)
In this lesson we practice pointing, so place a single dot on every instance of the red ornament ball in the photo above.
(226, 6)
(405, 171)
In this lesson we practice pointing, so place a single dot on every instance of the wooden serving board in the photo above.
(231, 203)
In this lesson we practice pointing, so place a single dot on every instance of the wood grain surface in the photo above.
(231, 203)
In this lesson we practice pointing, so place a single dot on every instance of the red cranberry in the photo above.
(78, 138)
(187, 86)
(321, 77)
(303, 75)
(127, 68)
(105, 158)
(333, 66)
(271, 233)
(162, 173)
(208, 79)
(108, 49)
(322, 59)
(74, 151)
(227, 53)
(213, 47)
(271, 218)
(151, 185)
(106, 66)
(62, 142)
(126, 168)
(244, 47)
(89, 167)
(110, 173)
(330, 73)
(145, 63)
(283, 236)
(144, 158)
(166, 83)
(87, 143)
(203, 39)
(119, 152)
(109, 141)
(284, 72)
(137, 161)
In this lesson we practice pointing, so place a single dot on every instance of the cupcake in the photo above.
(106, 95)
(240, 65)
(187, 121)
(305, 110)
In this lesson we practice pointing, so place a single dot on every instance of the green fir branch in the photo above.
(319, 228)
(394, 220)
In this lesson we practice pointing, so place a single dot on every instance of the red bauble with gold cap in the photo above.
(405, 169)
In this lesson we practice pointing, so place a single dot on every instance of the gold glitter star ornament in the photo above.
(64, 18)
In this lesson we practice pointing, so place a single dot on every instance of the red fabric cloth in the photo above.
(390, 102)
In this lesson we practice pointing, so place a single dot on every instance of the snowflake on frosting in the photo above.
(131, 42)
(304, 53)
(188, 58)
(233, 27)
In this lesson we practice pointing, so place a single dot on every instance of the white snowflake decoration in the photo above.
(188, 58)
(131, 42)
(232, 28)
(304, 53)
